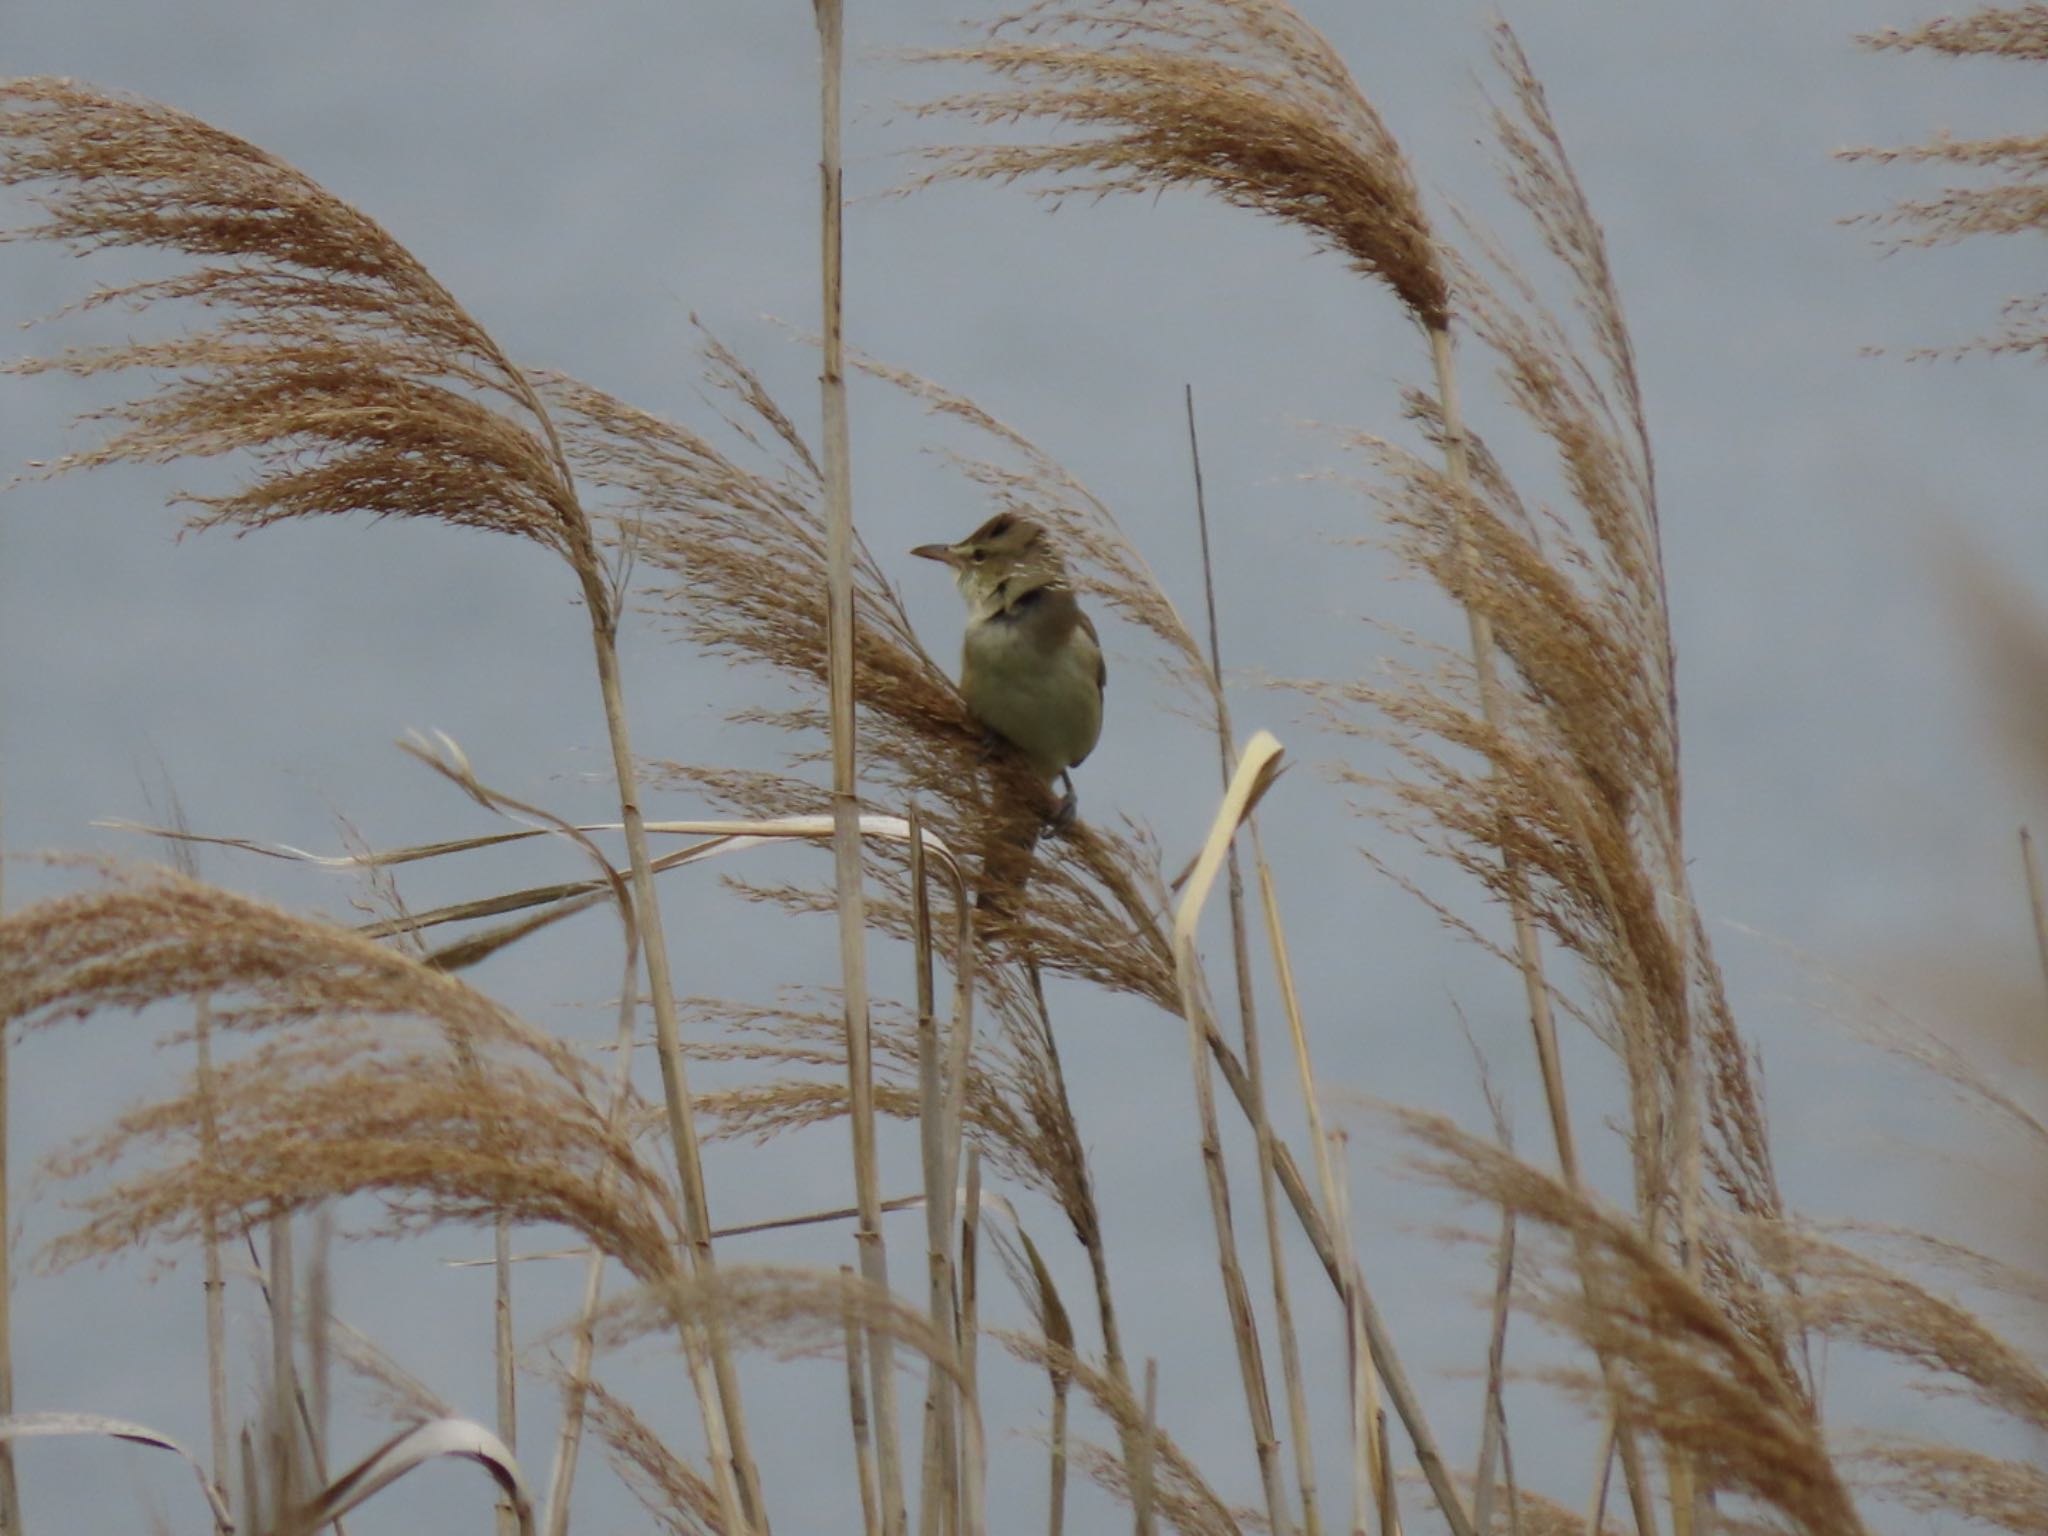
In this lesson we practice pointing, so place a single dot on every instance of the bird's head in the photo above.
(999, 562)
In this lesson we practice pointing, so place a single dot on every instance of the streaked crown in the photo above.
(1000, 561)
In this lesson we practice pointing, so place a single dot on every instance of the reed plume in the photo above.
(332, 358)
(2011, 196)
(368, 1071)
(1240, 97)
(353, 382)
(1689, 1371)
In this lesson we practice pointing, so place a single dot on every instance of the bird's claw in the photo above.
(1066, 811)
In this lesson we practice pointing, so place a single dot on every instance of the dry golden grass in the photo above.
(1546, 771)
(1239, 97)
(2013, 197)
(369, 1073)
(1691, 1373)
(734, 554)
(674, 1496)
(335, 362)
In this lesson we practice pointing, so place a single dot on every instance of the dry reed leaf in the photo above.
(32, 1426)
(462, 1439)
(1240, 97)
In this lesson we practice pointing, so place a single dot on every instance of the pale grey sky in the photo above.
(585, 178)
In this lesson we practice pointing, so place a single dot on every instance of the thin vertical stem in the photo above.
(938, 1503)
(1056, 1519)
(1390, 1505)
(2034, 900)
(1331, 1236)
(1244, 1327)
(733, 1472)
(1090, 1234)
(1528, 951)
(1248, 1019)
(501, 1342)
(1367, 1466)
(1496, 1360)
(284, 1460)
(215, 1282)
(1596, 1511)
(252, 1486)
(846, 855)
(857, 1416)
(10, 1492)
(569, 1439)
(1142, 1474)
(298, 1393)
(974, 1450)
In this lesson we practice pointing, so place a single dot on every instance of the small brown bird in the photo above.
(1031, 667)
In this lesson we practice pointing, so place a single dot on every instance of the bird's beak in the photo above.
(945, 553)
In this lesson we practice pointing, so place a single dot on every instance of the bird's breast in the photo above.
(1046, 700)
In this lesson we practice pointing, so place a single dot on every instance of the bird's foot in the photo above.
(1066, 811)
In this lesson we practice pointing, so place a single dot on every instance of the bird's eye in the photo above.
(980, 555)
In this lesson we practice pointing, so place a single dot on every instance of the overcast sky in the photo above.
(586, 178)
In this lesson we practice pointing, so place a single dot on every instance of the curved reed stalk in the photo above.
(353, 382)
(1244, 99)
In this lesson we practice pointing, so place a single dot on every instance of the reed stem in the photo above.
(1528, 950)
(846, 840)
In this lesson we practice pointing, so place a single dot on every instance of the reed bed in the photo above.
(1691, 1304)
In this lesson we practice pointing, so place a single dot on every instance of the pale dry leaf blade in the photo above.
(415, 1447)
(1256, 770)
(28, 1426)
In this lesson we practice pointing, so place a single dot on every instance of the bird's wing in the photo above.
(1101, 661)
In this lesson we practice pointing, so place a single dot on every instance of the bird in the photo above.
(1031, 665)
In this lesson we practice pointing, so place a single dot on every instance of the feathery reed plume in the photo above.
(674, 1495)
(356, 383)
(1686, 1370)
(1853, 1297)
(803, 1313)
(1241, 97)
(352, 378)
(1012, 1112)
(372, 1072)
(1949, 1481)
(1578, 809)
(1244, 98)
(2013, 199)
(738, 556)
(1181, 1496)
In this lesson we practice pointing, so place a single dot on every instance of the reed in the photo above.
(1541, 768)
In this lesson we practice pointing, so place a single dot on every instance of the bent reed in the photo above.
(1541, 767)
